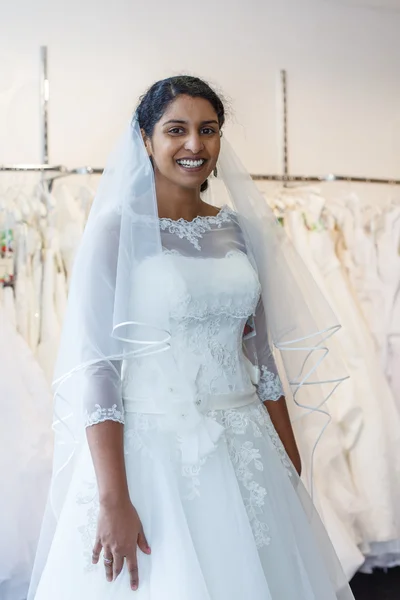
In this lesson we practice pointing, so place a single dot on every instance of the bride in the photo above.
(176, 471)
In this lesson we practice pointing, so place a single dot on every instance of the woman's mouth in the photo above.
(191, 165)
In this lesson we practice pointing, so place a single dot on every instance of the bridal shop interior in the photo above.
(313, 95)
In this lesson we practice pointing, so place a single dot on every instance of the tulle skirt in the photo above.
(238, 526)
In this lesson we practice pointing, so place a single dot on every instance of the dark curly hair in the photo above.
(157, 99)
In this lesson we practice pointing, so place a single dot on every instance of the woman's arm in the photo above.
(106, 446)
(98, 386)
(104, 420)
(270, 389)
(278, 412)
(119, 530)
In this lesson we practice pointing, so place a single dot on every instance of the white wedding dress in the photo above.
(223, 509)
(25, 459)
(369, 417)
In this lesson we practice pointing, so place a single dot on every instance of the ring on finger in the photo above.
(108, 561)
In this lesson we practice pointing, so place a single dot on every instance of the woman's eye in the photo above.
(180, 130)
(175, 130)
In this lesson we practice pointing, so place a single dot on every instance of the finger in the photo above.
(131, 562)
(118, 565)
(96, 551)
(142, 543)
(108, 560)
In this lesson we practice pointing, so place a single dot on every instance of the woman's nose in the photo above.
(194, 143)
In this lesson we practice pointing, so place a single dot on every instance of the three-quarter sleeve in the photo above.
(102, 393)
(100, 375)
(259, 351)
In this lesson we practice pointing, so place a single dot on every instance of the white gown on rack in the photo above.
(388, 255)
(376, 474)
(70, 223)
(224, 511)
(54, 295)
(338, 502)
(25, 459)
(373, 266)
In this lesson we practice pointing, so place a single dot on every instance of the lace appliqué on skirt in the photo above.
(137, 439)
(242, 429)
(243, 457)
(246, 460)
(191, 474)
(88, 530)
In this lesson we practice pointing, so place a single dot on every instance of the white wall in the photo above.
(343, 64)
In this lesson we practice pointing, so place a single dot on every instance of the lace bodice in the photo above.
(211, 290)
(207, 323)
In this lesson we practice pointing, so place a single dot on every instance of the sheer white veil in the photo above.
(299, 320)
(105, 320)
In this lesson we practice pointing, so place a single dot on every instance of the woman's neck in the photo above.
(175, 202)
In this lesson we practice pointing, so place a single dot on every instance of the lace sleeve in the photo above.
(102, 393)
(269, 385)
(100, 381)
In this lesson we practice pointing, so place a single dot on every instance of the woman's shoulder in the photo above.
(224, 212)
(209, 210)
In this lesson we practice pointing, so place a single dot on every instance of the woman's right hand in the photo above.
(119, 532)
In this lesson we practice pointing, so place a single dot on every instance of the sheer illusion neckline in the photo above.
(214, 219)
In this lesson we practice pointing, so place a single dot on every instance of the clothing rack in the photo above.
(33, 168)
(78, 171)
(87, 170)
(44, 168)
(324, 179)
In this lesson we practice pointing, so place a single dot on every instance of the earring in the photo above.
(215, 172)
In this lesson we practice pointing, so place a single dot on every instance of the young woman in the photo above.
(185, 484)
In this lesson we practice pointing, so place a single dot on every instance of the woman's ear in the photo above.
(146, 142)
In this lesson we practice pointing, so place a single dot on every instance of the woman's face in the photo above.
(186, 142)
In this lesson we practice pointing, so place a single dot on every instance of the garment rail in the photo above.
(30, 168)
(87, 170)
(64, 171)
(78, 171)
(44, 168)
(324, 178)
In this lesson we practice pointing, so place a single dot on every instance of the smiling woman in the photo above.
(181, 123)
(184, 151)
(175, 458)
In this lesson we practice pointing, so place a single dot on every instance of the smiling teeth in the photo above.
(193, 164)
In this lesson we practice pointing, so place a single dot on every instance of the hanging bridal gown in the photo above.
(54, 295)
(388, 258)
(367, 275)
(37, 270)
(338, 502)
(393, 370)
(385, 240)
(70, 223)
(376, 474)
(23, 288)
(223, 509)
(25, 459)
